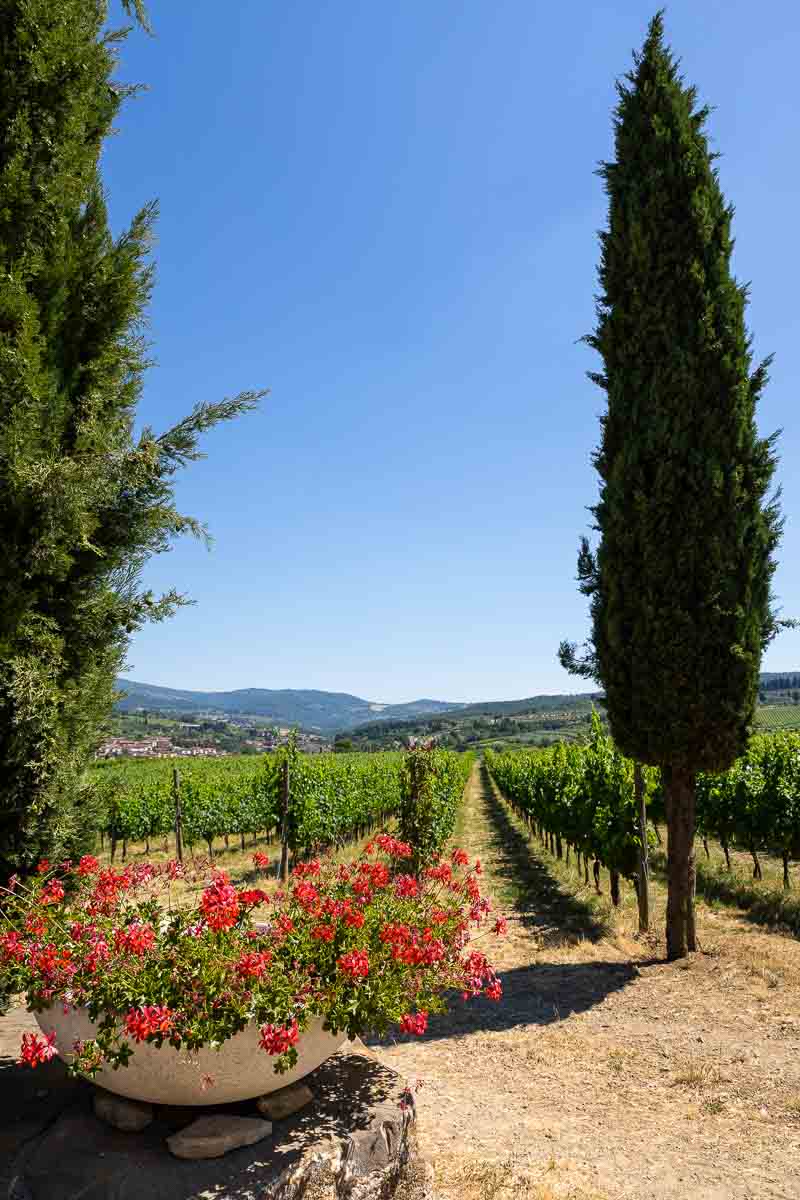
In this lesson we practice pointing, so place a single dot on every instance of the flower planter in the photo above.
(240, 1069)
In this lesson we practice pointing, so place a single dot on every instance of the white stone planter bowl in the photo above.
(240, 1069)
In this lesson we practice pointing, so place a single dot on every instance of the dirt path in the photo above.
(605, 1072)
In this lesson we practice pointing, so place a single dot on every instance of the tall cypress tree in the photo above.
(83, 503)
(680, 584)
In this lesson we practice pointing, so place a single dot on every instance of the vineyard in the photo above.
(584, 797)
(778, 716)
(331, 799)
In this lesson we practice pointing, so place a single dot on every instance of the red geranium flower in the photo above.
(35, 1049)
(355, 964)
(414, 1024)
(276, 1039)
(141, 1023)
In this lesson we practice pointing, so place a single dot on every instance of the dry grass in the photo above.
(600, 1046)
(479, 1179)
(697, 1075)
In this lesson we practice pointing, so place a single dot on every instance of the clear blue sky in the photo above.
(387, 214)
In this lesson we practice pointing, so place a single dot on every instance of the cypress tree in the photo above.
(680, 584)
(83, 502)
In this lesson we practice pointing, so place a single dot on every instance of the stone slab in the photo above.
(211, 1137)
(55, 1148)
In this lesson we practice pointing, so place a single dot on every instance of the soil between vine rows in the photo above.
(606, 1072)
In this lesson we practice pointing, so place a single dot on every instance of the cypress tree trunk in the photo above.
(786, 881)
(614, 881)
(680, 798)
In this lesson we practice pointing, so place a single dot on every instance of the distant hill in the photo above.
(340, 712)
(324, 712)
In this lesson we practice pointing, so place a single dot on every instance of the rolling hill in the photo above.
(323, 712)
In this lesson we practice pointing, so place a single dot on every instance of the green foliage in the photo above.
(83, 503)
(332, 798)
(581, 794)
(756, 803)
(680, 583)
(432, 786)
(584, 794)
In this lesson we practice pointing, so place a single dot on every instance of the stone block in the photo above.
(277, 1106)
(131, 1116)
(211, 1137)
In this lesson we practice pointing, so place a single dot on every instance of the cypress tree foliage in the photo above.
(83, 502)
(680, 585)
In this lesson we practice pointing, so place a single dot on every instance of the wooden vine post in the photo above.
(644, 866)
(285, 822)
(176, 791)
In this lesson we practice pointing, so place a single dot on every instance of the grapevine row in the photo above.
(579, 795)
(333, 798)
(584, 795)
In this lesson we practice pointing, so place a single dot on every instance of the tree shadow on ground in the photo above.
(769, 906)
(543, 905)
(538, 994)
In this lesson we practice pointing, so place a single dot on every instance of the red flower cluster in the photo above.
(392, 847)
(406, 887)
(12, 947)
(459, 858)
(443, 873)
(409, 948)
(151, 1019)
(51, 893)
(88, 865)
(253, 966)
(106, 894)
(261, 861)
(323, 933)
(414, 1024)
(355, 964)
(54, 965)
(277, 1039)
(306, 895)
(36, 1049)
(219, 904)
(500, 926)
(480, 976)
(305, 870)
(134, 939)
(252, 897)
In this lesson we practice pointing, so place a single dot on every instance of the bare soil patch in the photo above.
(606, 1072)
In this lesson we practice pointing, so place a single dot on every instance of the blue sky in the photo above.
(387, 214)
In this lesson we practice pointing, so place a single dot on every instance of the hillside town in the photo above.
(160, 745)
(155, 747)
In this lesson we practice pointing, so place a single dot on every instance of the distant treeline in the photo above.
(780, 683)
